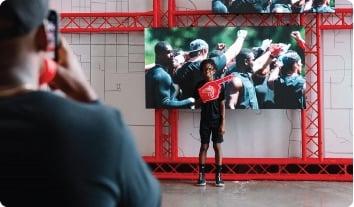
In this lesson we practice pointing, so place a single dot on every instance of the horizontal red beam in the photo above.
(105, 14)
(135, 23)
(333, 27)
(194, 160)
(243, 177)
(344, 10)
(96, 30)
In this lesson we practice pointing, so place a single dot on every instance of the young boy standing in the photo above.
(212, 122)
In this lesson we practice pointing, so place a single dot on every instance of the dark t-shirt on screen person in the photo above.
(59, 152)
(189, 75)
(289, 92)
(247, 98)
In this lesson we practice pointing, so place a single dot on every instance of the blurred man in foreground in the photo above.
(57, 151)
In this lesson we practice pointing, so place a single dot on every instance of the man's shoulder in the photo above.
(185, 72)
(70, 110)
(191, 65)
(157, 71)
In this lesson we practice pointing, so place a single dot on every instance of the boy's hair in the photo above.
(205, 64)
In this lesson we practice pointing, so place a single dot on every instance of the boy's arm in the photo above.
(222, 111)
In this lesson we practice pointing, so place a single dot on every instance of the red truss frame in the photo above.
(166, 164)
(111, 21)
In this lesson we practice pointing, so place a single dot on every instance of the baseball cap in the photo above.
(197, 45)
(18, 17)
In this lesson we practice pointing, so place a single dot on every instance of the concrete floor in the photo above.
(258, 194)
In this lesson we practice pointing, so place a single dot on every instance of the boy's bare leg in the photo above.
(202, 158)
(218, 162)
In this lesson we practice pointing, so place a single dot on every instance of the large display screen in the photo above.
(272, 6)
(245, 67)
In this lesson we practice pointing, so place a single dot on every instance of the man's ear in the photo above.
(41, 39)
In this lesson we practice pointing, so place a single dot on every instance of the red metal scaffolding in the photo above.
(166, 164)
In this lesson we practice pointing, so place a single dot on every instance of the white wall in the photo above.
(114, 63)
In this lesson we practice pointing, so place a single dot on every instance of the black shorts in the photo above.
(208, 128)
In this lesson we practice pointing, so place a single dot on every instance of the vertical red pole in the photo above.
(319, 85)
(158, 112)
(156, 13)
(304, 111)
(158, 133)
(171, 13)
(173, 119)
(173, 114)
(303, 134)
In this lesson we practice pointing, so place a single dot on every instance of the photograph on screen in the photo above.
(272, 6)
(250, 67)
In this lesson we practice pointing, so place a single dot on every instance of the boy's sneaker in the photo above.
(218, 180)
(201, 180)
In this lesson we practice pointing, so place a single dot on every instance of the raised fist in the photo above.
(266, 44)
(220, 46)
(242, 34)
(296, 35)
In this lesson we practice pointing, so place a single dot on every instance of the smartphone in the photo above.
(48, 70)
(53, 34)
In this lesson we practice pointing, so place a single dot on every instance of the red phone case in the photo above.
(48, 71)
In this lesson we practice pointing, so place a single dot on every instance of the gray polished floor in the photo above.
(258, 194)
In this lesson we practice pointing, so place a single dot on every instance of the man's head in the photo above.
(244, 60)
(164, 54)
(178, 59)
(19, 17)
(22, 39)
(215, 53)
(291, 63)
(198, 48)
(208, 69)
(318, 3)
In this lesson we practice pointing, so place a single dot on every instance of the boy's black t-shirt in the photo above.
(59, 152)
(210, 111)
